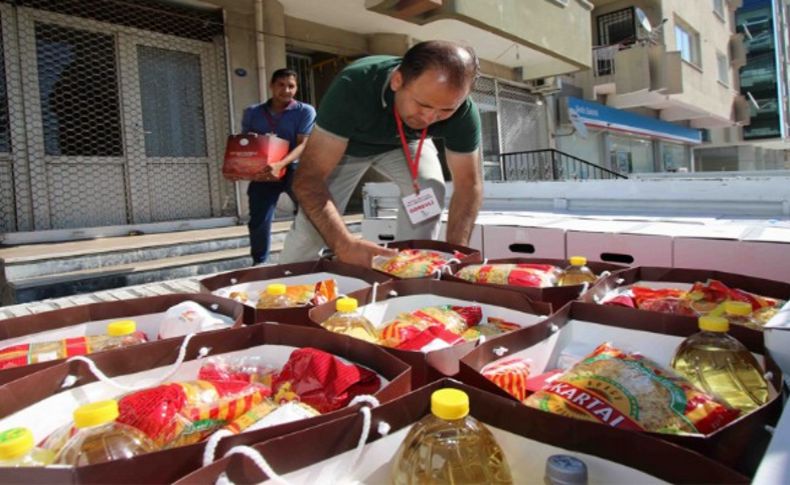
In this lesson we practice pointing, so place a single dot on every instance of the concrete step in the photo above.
(182, 259)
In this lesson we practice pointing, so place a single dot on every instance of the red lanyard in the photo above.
(414, 163)
(272, 121)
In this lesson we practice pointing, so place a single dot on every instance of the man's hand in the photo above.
(267, 174)
(361, 252)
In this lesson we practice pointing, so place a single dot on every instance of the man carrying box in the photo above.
(378, 113)
(291, 120)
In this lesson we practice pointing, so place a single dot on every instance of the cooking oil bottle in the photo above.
(577, 273)
(450, 447)
(275, 297)
(348, 321)
(100, 438)
(721, 365)
(17, 449)
(740, 313)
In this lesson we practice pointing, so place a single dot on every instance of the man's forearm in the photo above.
(294, 154)
(316, 202)
(464, 206)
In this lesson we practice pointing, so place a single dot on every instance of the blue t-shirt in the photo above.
(297, 119)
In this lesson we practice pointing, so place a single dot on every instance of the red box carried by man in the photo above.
(246, 155)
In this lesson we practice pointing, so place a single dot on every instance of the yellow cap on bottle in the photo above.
(449, 404)
(713, 324)
(578, 260)
(739, 308)
(96, 413)
(15, 442)
(121, 327)
(346, 304)
(275, 289)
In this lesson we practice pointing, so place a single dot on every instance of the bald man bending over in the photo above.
(383, 112)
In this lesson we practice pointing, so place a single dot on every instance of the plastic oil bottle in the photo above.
(450, 447)
(120, 333)
(349, 321)
(99, 438)
(275, 297)
(721, 365)
(577, 273)
(740, 313)
(17, 449)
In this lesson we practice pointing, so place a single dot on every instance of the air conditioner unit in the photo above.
(545, 85)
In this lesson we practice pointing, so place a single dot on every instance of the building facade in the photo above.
(663, 73)
(763, 144)
(114, 113)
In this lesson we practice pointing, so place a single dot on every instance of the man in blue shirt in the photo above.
(291, 120)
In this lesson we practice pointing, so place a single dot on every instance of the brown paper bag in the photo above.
(408, 295)
(115, 310)
(556, 295)
(759, 286)
(349, 278)
(42, 402)
(579, 327)
(526, 436)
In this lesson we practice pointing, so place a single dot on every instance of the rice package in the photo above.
(628, 391)
(522, 274)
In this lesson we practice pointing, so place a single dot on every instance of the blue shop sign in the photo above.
(600, 116)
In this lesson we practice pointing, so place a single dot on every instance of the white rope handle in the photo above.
(585, 287)
(605, 274)
(210, 451)
(101, 376)
(363, 437)
(258, 460)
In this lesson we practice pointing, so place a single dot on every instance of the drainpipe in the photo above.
(229, 82)
(260, 51)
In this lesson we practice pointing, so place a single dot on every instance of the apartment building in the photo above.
(763, 144)
(663, 72)
(115, 113)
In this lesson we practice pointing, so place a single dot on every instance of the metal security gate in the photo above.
(121, 125)
(513, 120)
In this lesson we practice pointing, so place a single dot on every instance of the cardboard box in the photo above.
(254, 280)
(379, 230)
(45, 400)
(92, 319)
(519, 236)
(386, 301)
(326, 453)
(613, 241)
(579, 328)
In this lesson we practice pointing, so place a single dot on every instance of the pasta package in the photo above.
(628, 391)
(411, 263)
(454, 319)
(522, 274)
(182, 413)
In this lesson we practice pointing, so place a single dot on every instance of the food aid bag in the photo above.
(246, 155)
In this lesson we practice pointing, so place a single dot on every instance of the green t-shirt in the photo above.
(358, 107)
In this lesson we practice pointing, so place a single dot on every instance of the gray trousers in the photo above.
(303, 242)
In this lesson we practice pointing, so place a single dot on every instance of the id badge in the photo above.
(422, 206)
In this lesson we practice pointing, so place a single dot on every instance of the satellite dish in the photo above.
(641, 17)
(578, 124)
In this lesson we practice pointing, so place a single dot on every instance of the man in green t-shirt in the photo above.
(374, 115)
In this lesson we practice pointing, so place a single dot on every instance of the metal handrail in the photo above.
(552, 164)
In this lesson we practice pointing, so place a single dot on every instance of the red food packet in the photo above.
(247, 155)
(432, 338)
(322, 380)
(510, 374)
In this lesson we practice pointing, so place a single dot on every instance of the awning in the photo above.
(599, 116)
